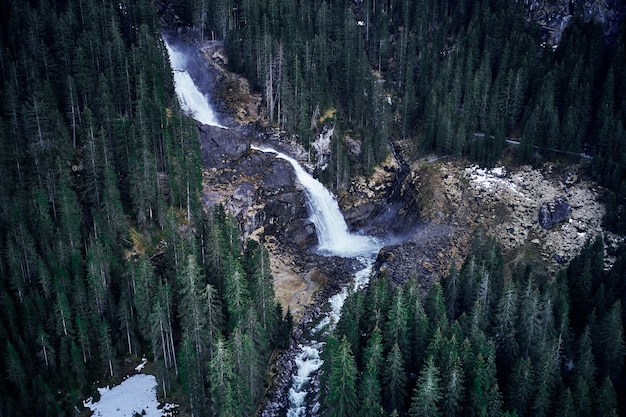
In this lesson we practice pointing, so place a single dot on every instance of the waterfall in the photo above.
(335, 240)
(191, 99)
(332, 231)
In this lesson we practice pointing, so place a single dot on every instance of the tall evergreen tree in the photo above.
(394, 380)
(342, 391)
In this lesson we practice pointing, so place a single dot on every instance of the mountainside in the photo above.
(483, 141)
(477, 282)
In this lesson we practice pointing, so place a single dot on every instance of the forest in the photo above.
(106, 253)
(483, 342)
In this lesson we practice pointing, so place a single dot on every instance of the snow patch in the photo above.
(489, 179)
(143, 363)
(137, 394)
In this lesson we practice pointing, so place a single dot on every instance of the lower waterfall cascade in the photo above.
(334, 240)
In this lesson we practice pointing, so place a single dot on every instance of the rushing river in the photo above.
(333, 236)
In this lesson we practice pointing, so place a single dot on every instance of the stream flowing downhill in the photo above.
(333, 236)
(193, 102)
(334, 240)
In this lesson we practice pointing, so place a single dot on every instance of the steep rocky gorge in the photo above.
(262, 193)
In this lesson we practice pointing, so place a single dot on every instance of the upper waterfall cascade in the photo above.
(191, 99)
(332, 231)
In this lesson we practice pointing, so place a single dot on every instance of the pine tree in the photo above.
(565, 405)
(610, 342)
(505, 326)
(223, 381)
(191, 376)
(606, 400)
(370, 404)
(373, 353)
(418, 325)
(427, 393)
(484, 394)
(341, 400)
(452, 289)
(396, 326)
(435, 307)
(453, 389)
(394, 380)
(192, 310)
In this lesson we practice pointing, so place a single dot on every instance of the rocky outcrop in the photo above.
(258, 189)
(321, 146)
(553, 212)
(425, 255)
(372, 204)
(555, 15)
(504, 203)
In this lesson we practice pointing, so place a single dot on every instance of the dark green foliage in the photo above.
(341, 399)
(451, 77)
(394, 380)
(427, 393)
(513, 348)
(106, 251)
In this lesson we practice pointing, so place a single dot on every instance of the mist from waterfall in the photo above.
(191, 99)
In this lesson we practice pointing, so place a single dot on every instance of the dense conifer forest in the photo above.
(452, 77)
(483, 342)
(107, 255)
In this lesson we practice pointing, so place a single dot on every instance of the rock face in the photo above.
(425, 255)
(258, 189)
(553, 212)
(555, 15)
(321, 145)
(504, 204)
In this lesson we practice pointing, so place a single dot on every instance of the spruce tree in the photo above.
(394, 380)
(341, 400)
(427, 393)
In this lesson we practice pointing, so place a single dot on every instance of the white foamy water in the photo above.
(191, 99)
(307, 362)
(332, 231)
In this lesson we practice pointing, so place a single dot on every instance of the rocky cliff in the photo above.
(555, 15)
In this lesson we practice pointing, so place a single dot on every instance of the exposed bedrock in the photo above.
(259, 190)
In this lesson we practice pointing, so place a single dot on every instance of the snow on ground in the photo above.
(489, 179)
(507, 205)
(136, 395)
(143, 363)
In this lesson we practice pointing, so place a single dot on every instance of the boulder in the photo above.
(553, 212)
(418, 256)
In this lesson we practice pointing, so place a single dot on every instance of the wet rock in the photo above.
(555, 15)
(258, 189)
(221, 145)
(553, 212)
(321, 145)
